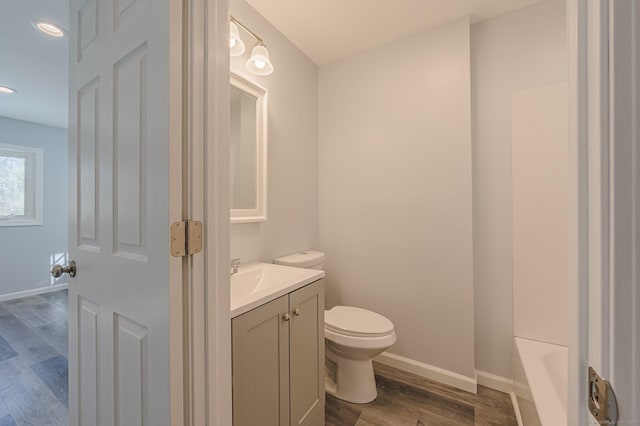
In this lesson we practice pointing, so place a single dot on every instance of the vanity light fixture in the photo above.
(259, 62)
(7, 90)
(49, 28)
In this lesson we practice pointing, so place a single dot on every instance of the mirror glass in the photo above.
(242, 137)
(247, 139)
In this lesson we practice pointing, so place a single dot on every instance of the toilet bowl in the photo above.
(353, 337)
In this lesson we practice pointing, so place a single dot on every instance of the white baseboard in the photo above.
(516, 408)
(493, 381)
(438, 374)
(32, 292)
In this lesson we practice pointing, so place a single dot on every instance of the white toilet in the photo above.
(352, 337)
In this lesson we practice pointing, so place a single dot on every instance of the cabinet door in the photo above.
(261, 366)
(307, 355)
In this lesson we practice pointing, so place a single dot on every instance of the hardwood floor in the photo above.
(34, 386)
(34, 380)
(406, 399)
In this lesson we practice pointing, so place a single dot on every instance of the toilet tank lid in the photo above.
(301, 260)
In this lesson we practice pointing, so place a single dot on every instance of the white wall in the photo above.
(292, 210)
(26, 251)
(519, 50)
(395, 191)
(541, 213)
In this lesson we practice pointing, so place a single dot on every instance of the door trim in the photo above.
(577, 48)
(217, 210)
(621, 324)
(603, 283)
(208, 336)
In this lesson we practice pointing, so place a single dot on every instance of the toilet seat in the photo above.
(356, 322)
(353, 337)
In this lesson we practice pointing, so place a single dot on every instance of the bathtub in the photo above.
(540, 382)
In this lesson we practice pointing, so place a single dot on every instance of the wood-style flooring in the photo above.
(405, 399)
(34, 384)
(34, 380)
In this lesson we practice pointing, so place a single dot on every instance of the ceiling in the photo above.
(329, 30)
(33, 63)
(325, 30)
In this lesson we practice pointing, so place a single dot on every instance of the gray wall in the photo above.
(395, 191)
(292, 210)
(26, 251)
(519, 50)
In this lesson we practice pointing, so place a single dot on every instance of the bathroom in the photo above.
(415, 166)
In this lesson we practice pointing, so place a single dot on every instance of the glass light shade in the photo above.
(259, 63)
(236, 45)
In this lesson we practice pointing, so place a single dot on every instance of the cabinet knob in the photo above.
(296, 312)
(286, 317)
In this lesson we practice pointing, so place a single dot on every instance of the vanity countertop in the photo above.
(258, 283)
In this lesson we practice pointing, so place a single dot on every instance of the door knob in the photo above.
(286, 317)
(296, 312)
(58, 270)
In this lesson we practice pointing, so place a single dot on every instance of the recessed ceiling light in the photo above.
(49, 28)
(7, 89)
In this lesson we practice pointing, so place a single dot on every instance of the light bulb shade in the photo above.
(259, 63)
(236, 45)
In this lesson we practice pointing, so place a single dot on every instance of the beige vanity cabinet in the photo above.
(278, 361)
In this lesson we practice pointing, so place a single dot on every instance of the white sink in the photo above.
(258, 283)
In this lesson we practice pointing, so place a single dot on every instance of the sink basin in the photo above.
(258, 283)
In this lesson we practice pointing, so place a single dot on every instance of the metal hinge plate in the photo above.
(602, 399)
(186, 238)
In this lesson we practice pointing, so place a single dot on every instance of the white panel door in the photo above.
(120, 197)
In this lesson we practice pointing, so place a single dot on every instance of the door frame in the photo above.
(620, 350)
(207, 359)
(577, 48)
(603, 241)
(219, 385)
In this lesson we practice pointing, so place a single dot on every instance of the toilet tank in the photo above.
(309, 259)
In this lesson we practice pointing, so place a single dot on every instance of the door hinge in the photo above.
(602, 400)
(186, 238)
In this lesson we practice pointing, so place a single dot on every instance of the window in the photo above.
(20, 185)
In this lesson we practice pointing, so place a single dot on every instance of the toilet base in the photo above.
(352, 381)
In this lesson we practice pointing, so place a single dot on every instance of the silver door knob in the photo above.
(58, 270)
(286, 317)
(296, 312)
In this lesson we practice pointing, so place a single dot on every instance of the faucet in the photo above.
(235, 264)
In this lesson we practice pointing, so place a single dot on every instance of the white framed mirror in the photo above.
(247, 151)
